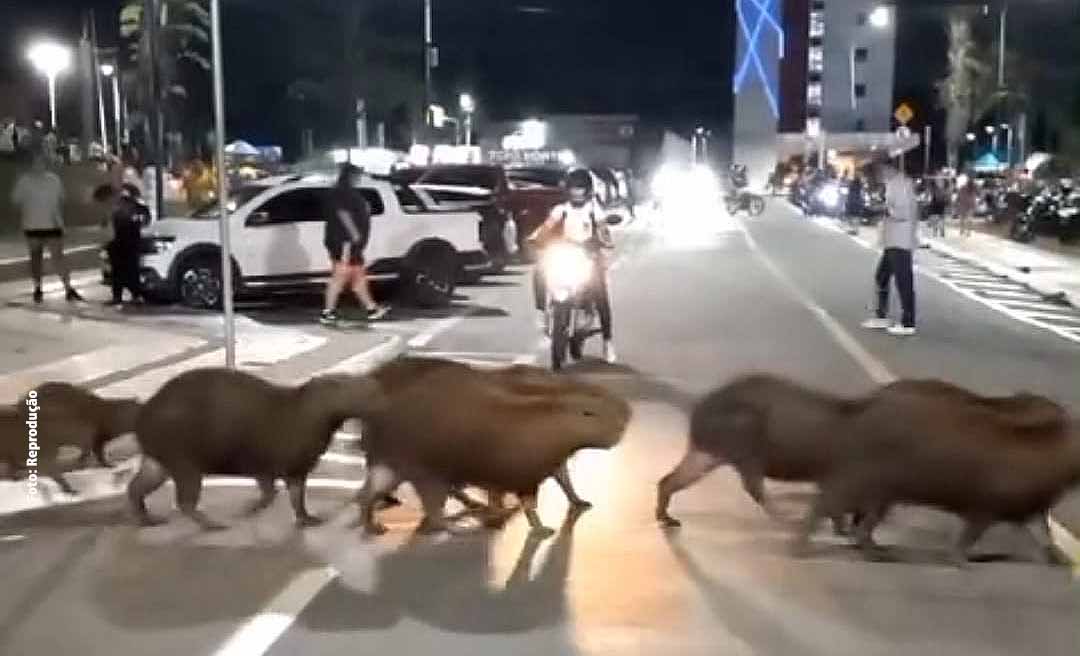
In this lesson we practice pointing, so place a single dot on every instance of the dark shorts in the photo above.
(52, 233)
(346, 253)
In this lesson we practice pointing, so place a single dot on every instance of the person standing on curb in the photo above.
(128, 217)
(900, 239)
(965, 203)
(348, 226)
(39, 196)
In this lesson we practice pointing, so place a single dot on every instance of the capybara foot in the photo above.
(308, 521)
(959, 559)
(877, 554)
(580, 503)
(541, 532)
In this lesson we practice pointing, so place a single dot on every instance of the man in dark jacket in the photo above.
(348, 226)
(129, 216)
(853, 209)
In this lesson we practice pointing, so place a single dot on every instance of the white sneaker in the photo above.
(609, 353)
(901, 331)
(877, 323)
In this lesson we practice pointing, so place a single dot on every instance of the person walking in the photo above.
(39, 196)
(128, 217)
(939, 207)
(348, 226)
(899, 237)
(965, 203)
(853, 205)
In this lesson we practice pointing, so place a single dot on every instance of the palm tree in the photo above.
(963, 90)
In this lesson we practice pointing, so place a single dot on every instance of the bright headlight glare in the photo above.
(566, 266)
(829, 195)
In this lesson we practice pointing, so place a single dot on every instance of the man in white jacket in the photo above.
(39, 196)
(900, 239)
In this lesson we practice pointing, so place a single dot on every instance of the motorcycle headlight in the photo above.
(567, 267)
(829, 196)
(162, 244)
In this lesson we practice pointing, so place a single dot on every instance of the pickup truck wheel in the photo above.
(199, 283)
(430, 275)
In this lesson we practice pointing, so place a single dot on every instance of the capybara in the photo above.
(407, 371)
(986, 460)
(765, 427)
(62, 414)
(460, 426)
(220, 421)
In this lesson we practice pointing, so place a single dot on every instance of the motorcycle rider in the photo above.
(578, 220)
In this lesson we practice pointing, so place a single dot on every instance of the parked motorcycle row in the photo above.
(1052, 211)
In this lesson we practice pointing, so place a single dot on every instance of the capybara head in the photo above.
(588, 416)
(346, 396)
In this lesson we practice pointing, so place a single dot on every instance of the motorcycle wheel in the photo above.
(756, 206)
(560, 335)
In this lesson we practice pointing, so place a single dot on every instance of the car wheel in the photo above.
(430, 275)
(199, 283)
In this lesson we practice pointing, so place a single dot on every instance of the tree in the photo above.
(959, 93)
(184, 42)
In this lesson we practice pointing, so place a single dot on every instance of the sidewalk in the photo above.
(1049, 269)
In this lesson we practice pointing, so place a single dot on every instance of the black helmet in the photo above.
(579, 183)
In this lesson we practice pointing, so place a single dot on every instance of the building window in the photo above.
(813, 94)
(817, 24)
(861, 19)
(862, 55)
(813, 126)
(860, 125)
(860, 90)
(817, 59)
(817, 5)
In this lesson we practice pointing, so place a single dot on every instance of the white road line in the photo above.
(441, 326)
(1071, 318)
(343, 458)
(314, 482)
(260, 632)
(991, 286)
(1036, 305)
(527, 359)
(46, 255)
(362, 363)
(1016, 295)
(880, 373)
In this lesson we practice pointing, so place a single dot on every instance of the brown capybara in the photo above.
(220, 421)
(63, 414)
(988, 461)
(765, 427)
(460, 426)
(407, 371)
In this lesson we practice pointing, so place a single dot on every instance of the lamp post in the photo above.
(468, 106)
(1008, 143)
(992, 131)
(50, 59)
(110, 73)
(223, 206)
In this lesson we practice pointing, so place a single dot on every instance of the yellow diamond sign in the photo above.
(904, 114)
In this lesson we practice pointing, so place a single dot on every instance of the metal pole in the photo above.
(156, 111)
(1001, 43)
(468, 128)
(1009, 146)
(427, 63)
(116, 109)
(97, 83)
(219, 142)
(52, 101)
(926, 150)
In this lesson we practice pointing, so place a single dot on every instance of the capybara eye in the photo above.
(589, 413)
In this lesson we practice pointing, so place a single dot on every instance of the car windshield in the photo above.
(244, 194)
(534, 177)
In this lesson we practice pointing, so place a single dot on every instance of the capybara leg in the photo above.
(98, 451)
(379, 480)
(188, 491)
(753, 482)
(150, 477)
(825, 505)
(973, 530)
(528, 501)
(464, 499)
(864, 532)
(297, 486)
(267, 493)
(433, 495)
(1039, 530)
(693, 467)
(562, 477)
(63, 482)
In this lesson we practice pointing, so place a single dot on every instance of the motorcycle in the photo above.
(570, 272)
(1041, 212)
(744, 201)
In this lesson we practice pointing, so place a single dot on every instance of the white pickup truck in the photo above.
(276, 238)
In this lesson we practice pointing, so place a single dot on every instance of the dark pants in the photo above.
(37, 241)
(600, 297)
(896, 262)
(124, 261)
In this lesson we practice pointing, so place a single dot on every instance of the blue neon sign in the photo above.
(765, 17)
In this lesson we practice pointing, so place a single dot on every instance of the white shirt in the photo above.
(900, 227)
(578, 221)
(40, 198)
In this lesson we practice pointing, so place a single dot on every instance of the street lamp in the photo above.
(1008, 143)
(109, 71)
(50, 59)
(879, 17)
(992, 131)
(468, 106)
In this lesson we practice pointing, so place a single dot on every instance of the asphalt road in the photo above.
(694, 307)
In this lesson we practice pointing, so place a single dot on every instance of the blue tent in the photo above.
(988, 163)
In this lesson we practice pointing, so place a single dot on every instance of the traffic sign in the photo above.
(904, 114)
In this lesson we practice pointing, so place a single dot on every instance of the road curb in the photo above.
(1006, 272)
(102, 483)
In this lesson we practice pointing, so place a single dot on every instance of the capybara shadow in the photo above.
(446, 584)
(504, 430)
(226, 422)
(60, 414)
(985, 460)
